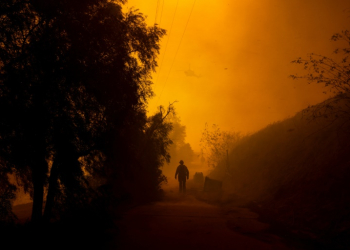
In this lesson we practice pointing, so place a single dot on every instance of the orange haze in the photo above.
(227, 62)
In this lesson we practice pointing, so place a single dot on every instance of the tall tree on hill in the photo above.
(334, 74)
(74, 82)
(216, 143)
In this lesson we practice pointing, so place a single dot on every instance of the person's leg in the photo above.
(180, 186)
(184, 187)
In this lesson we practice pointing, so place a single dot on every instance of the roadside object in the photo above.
(198, 178)
(211, 185)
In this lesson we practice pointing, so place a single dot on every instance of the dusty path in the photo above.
(184, 222)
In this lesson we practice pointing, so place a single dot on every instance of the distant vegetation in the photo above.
(179, 149)
(216, 143)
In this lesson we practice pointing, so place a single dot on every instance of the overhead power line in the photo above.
(160, 6)
(155, 19)
(177, 49)
(166, 45)
(161, 13)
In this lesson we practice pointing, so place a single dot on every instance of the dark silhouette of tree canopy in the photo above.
(74, 84)
(334, 74)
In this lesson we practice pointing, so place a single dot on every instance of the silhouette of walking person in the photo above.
(182, 173)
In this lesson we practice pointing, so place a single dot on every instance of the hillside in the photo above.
(297, 171)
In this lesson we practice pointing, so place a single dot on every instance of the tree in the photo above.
(155, 151)
(334, 74)
(216, 143)
(74, 82)
(179, 150)
(137, 174)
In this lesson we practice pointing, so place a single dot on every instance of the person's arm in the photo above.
(188, 173)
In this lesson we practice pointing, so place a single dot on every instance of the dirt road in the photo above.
(184, 222)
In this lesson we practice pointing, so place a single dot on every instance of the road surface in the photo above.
(184, 222)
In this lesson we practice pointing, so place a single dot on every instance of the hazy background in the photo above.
(239, 54)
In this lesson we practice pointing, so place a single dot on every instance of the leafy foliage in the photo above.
(74, 83)
(333, 73)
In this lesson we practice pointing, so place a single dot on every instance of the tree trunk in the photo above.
(52, 190)
(38, 196)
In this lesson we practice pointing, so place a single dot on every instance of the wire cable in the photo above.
(161, 13)
(166, 45)
(177, 50)
(155, 19)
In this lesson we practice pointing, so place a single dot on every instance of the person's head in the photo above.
(181, 162)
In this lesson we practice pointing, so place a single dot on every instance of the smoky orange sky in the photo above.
(228, 62)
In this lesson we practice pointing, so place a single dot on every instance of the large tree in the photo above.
(74, 82)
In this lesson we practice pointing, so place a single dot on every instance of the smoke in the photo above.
(242, 50)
